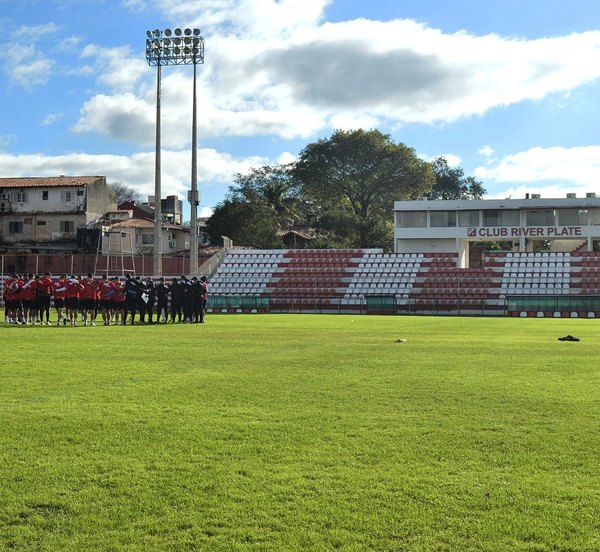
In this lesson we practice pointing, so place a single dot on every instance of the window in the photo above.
(540, 217)
(468, 218)
(594, 215)
(67, 226)
(572, 217)
(21, 197)
(66, 196)
(80, 192)
(443, 219)
(147, 239)
(41, 223)
(45, 195)
(499, 217)
(412, 219)
(510, 218)
(491, 217)
(15, 227)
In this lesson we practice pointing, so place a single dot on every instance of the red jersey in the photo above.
(9, 288)
(89, 288)
(119, 295)
(106, 290)
(28, 290)
(45, 285)
(73, 289)
(59, 287)
(17, 290)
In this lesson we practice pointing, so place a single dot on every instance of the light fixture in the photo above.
(160, 51)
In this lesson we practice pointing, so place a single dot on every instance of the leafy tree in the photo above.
(451, 183)
(273, 186)
(361, 173)
(125, 193)
(244, 222)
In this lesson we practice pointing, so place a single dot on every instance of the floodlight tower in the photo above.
(174, 47)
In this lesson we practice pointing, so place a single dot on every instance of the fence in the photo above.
(79, 263)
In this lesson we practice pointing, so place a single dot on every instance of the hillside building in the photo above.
(42, 211)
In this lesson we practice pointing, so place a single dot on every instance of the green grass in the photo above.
(284, 432)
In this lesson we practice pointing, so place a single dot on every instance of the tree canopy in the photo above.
(451, 182)
(343, 187)
(125, 193)
(361, 173)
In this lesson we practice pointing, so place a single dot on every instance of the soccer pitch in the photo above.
(302, 432)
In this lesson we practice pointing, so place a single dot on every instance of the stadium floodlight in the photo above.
(161, 50)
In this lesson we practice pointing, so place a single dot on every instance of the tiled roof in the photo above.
(47, 181)
(144, 223)
(134, 223)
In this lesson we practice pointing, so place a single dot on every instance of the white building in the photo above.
(451, 226)
(36, 210)
(137, 236)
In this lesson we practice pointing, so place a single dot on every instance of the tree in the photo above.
(273, 186)
(244, 222)
(451, 182)
(125, 193)
(361, 173)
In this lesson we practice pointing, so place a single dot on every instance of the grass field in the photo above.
(282, 432)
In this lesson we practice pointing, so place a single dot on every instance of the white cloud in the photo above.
(24, 63)
(276, 69)
(552, 172)
(452, 159)
(486, 151)
(32, 74)
(118, 68)
(250, 18)
(206, 212)
(122, 116)
(69, 44)
(137, 170)
(136, 5)
(52, 118)
(6, 140)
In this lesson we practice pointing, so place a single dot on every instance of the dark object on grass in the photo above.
(400, 341)
(568, 338)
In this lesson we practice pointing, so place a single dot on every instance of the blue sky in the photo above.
(508, 90)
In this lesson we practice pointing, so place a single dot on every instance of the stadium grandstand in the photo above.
(533, 257)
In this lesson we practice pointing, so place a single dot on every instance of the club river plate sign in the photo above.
(509, 232)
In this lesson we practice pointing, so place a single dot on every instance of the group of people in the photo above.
(27, 299)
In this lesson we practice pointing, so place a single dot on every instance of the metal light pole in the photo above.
(194, 198)
(174, 47)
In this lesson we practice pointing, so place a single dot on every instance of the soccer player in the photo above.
(176, 298)
(28, 297)
(162, 295)
(106, 288)
(204, 284)
(131, 287)
(12, 296)
(142, 297)
(197, 289)
(58, 290)
(186, 298)
(44, 292)
(118, 301)
(151, 298)
(87, 299)
(72, 293)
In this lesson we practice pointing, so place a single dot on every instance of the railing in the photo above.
(365, 305)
